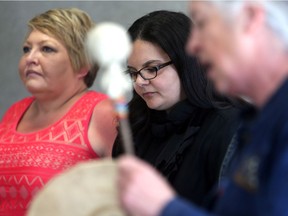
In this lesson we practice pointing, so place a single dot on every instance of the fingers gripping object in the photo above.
(109, 45)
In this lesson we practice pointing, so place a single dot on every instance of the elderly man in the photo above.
(245, 46)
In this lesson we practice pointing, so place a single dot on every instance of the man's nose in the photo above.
(193, 43)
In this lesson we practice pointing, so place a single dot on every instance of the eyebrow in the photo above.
(145, 64)
(41, 42)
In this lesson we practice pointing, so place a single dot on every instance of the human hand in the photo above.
(142, 191)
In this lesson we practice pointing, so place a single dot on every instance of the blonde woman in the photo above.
(63, 122)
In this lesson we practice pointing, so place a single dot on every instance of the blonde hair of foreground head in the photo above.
(70, 26)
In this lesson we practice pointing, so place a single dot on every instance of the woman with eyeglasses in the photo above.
(179, 124)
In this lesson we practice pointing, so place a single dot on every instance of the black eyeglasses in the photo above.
(148, 72)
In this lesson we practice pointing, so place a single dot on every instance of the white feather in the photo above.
(109, 45)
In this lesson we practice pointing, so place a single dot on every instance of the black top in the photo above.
(187, 145)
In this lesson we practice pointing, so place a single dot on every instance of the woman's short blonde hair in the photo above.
(69, 26)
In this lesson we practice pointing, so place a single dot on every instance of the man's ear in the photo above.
(252, 18)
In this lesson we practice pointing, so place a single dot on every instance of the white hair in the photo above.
(276, 11)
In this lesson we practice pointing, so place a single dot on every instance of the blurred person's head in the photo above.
(241, 43)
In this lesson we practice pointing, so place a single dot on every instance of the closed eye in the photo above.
(133, 73)
(48, 49)
(151, 69)
(129, 71)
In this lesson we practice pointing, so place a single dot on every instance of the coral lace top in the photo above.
(28, 161)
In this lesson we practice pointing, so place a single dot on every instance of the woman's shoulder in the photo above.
(225, 114)
(23, 101)
(98, 96)
(18, 106)
(89, 101)
(220, 121)
(104, 106)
